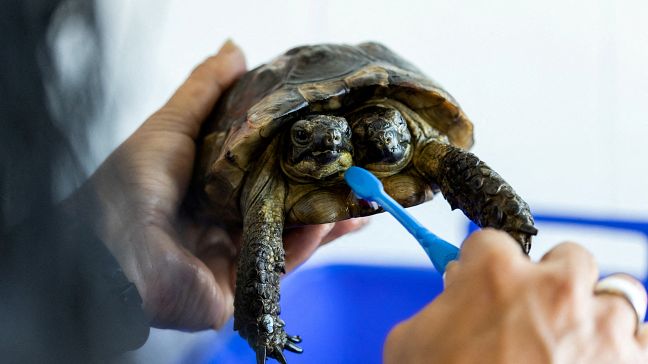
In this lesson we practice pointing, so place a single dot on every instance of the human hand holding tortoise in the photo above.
(183, 268)
(280, 140)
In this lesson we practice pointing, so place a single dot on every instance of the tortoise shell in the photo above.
(320, 78)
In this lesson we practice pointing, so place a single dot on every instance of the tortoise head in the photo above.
(382, 140)
(317, 147)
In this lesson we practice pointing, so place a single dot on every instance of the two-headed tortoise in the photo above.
(275, 152)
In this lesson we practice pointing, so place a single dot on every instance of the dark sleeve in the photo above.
(63, 296)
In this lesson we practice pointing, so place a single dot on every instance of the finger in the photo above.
(214, 239)
(451, 273)
(344, 227)
(397, 340)
(300, 243)
(573, 262)
(218, 249)
(223, 269)
(214, 247)
(642, 338)
(196, 97)
(490, 246)
(615, 316)
(624, 301)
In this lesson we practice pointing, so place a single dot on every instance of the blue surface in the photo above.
(342, 312)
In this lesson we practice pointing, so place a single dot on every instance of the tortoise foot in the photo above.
(275, 342)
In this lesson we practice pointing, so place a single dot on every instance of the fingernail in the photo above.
(228, 47)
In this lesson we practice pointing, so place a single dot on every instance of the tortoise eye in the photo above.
(300, 136)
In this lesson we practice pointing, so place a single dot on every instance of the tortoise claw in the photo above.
(261, 355)
(294, 348)
(529, 229)
(278, 353)
(273, 341)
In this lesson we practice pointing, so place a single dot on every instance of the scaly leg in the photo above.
(261, 262)
(470, 185)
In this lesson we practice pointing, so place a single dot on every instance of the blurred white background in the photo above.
(557, 90)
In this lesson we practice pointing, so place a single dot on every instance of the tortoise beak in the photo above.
(325, 156)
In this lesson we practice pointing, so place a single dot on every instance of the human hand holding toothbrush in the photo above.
(500, 307)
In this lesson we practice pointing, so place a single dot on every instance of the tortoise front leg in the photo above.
(261, 262)
(470, 185)
(256, 303)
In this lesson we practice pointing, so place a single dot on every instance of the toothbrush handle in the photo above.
(438, 250)
(408, 221)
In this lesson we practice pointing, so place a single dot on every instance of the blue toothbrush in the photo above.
(367, 187)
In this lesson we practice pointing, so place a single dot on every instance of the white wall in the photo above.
(557, 90)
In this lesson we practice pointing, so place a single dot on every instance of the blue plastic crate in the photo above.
(344, 312)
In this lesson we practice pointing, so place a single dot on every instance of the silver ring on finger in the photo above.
(629, 288)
